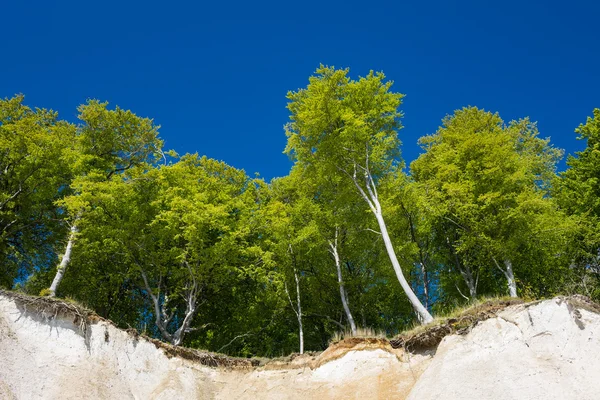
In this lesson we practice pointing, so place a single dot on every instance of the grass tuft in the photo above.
(365, 332)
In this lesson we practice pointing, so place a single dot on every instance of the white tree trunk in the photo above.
(510, 278)
(190, 312)
(343, 294)
(162, 315)
(373, 201)
(297, 309)
(468, 278)
(299, 314)
(66, 259)
(424, 315)
(465, 272)
(425, 276)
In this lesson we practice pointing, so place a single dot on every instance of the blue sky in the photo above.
(215, 77)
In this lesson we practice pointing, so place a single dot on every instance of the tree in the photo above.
(177, 234)
(292, 235)
(488, 186)
(197, 243)
(339, 220)
(33, 176)
(344, 127)
(579, 194)
(411, 227)
(109, 142)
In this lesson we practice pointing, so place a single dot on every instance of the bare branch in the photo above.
(326, 317)
(234, 339)
(14, 195)
(461, 293)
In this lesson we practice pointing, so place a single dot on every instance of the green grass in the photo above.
(360, 333)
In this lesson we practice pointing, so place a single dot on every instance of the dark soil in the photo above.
(431, 337)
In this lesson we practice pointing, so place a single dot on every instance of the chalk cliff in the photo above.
(543, 350)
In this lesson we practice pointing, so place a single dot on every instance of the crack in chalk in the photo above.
(548, 333)
(518, 327)
(529, 316)
(512, 322)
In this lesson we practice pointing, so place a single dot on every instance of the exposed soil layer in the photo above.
(430, 336)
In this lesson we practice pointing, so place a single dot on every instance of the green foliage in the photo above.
(194, 239)
(581, 182)
(33, 176)
(339, 124)
(579, 195)
(486, 187)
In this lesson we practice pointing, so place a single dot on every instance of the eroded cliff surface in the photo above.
(540, 350)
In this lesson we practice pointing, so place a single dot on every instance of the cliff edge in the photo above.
(548, 349)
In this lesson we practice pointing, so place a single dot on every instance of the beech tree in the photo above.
(350, 128)
(198, 242)
(108, 143)
(177, 231)
(340, 218)
(193, 251)
(336, 216)
(487, 184)
(410, 224)
(33, 176)
(579, 194)
(291, 221)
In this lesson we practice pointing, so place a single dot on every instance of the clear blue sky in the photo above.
(216, 76)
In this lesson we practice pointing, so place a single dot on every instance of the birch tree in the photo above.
(350, 128)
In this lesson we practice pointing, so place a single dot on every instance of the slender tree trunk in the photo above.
(373, 201)
(298, 308)
(422, 262)
(470, 281)
(424, 315)
(343, 294)
(465, 272)
(299, 314)
(66, 259)
(425, 284)
(510, 278)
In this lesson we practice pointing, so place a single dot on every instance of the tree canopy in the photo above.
(195, 252)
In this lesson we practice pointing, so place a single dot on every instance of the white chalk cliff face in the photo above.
(545, 350)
